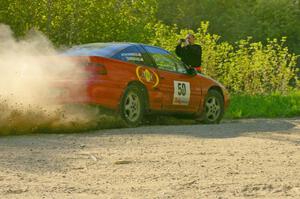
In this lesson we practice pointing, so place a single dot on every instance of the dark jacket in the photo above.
(190, 54)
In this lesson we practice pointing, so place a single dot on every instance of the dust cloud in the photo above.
(28, 70)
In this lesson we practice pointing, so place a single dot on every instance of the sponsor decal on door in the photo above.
(147, 76)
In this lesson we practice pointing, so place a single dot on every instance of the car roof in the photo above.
(101, 44)
(108, 49)
(121, 45)
(98, 49)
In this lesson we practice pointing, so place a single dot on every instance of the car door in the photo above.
(181, 91)
(145, 72)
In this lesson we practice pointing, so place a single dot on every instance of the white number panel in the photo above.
(182, 92)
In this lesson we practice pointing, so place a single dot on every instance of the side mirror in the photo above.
(191, 71)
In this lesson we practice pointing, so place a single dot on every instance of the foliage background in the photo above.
(250, 46)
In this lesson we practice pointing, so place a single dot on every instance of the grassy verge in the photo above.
(266, 106)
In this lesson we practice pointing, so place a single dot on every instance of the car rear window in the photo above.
(130, 54)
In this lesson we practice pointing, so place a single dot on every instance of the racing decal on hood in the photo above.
(147, 76)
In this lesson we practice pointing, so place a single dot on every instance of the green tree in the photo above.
(235, 19)
(71, 21)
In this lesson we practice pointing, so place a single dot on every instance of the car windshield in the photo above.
(97, 49)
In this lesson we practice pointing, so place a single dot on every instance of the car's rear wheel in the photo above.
(132, 106)
(213, 107)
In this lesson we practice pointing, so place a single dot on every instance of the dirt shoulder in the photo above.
(257, 158)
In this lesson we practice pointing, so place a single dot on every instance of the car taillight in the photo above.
(96, 68)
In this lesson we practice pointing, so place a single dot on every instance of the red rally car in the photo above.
(136, 79)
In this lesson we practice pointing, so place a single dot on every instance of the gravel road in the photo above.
(256, 158)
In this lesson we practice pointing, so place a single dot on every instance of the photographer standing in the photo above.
(189, 52)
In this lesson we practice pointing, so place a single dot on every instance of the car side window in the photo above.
(130, 54)
(166, 61)
(181, 68)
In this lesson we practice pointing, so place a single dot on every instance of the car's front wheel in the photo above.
(132, 106)
(213, 107)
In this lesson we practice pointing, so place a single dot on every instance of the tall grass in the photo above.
(267, 106)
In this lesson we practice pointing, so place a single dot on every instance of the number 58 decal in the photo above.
(182, 93)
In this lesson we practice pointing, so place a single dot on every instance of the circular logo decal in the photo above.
(147, 76)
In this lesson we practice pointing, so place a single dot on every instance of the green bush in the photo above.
(248, 67)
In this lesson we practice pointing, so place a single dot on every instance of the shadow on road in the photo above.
(47, 152)
(227, 129)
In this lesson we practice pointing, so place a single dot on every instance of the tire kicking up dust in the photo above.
(28, 69)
